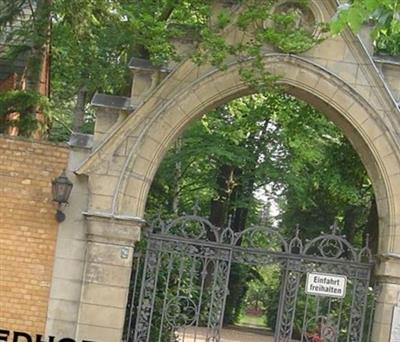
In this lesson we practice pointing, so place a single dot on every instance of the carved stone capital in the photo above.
(113, 229)
(388, 267)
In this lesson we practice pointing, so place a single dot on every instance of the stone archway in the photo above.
(151, 132)
(337, 76)
(358, 120)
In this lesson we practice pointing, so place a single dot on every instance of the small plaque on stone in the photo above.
(395, 331)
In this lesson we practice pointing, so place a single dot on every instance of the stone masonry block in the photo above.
(142, 165)
(63, 310)
(227, 82)
(58, 327)
(98, 334)
(100, 202)
(330, 49)
(307, 79)
(159, 131)
(325, 88)
(65, 289)
(105, 295)
(382, 145)
(102, 316)
(190, 104)
(102, 185)
(343, 100)
(358, 113)
(68, 269)
(345, 71)
(114, 232)
(133, 205)
(111, 275)
(101, 253)
(206, 93)
(71, 249)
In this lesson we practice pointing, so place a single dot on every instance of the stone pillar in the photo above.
(388, 271)
(69, 256)
(106, 279)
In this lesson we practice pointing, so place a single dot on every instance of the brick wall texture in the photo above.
(9, 83)
(28, 231)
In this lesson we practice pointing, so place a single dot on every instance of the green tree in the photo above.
(273, 142)
(276, 143)
(25, 27)
(92, 40)
(384, 15)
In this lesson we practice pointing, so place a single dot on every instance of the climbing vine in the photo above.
(25, 111)
(92, 41)
(260, 23)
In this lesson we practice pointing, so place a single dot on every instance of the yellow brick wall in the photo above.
(9, 83)
(28, 230)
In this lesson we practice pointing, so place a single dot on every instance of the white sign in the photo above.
(395, 331)
(327, 285)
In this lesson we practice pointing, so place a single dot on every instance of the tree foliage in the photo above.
(384, 15)
(24, 111)
(280, 147)
(271, 142)
(92, 40)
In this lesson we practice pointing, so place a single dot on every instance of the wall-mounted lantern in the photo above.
(61, 188)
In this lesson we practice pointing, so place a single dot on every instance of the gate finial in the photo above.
(367, 240)
(334, 228)
(196, 207)
(229, 221)
(297, 233)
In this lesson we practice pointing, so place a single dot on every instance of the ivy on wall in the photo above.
(23, 113)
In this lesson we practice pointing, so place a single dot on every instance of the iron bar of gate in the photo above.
(200, 302)
(210, 312)
(339, 318)
(364, 309)
(317, 308)
(226, 293)
(143, 336)
(136, 262)
(372, 301)
(354, 315)
(292, 299)
(169, 270)
(154, 294)
(281, 300)
(190, 288)
(304, 319)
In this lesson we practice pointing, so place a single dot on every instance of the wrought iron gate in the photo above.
(185, 275)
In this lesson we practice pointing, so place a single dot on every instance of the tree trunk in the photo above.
(79, 110)
(219, 204)
(219, 210)
(242, 193)
(349, 225)
(39, 63)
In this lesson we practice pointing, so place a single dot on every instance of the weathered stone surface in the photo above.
(81, 140)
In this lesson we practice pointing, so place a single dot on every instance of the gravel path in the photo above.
(228, 335)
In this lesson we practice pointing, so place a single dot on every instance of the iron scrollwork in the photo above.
(194, 285)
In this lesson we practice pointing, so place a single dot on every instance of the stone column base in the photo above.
(105, 288)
